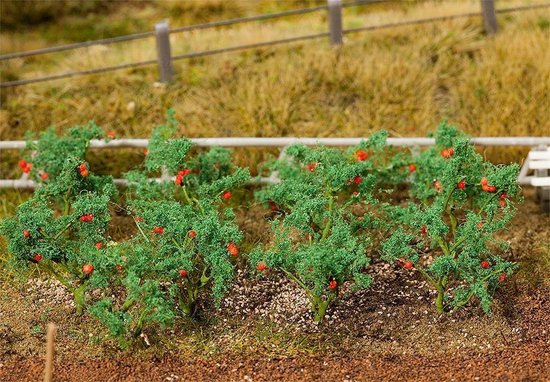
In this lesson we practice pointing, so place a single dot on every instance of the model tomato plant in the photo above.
(318, 242)
(459, 203)
(58, 230)
(187, 235)
(44, 159)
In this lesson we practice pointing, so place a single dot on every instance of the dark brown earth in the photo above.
(263, 331)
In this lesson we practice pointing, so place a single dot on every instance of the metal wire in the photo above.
(136, 36)
(214, 24)
(267, 43)
(250, 46)
(74, 74)
(441, 18)
(76, 45)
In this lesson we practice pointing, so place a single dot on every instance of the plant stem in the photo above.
(440, 295)
(79, 299)
(299, 282)
(63, 230)
(127, 304)
(443, 246)
(320, 310)
(141, 231)
(428, 278)
(326, 230)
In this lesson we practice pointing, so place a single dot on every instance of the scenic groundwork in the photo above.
(265, 190)
(192, 249)
(325, 208)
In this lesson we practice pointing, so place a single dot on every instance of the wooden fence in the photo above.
(335, 34)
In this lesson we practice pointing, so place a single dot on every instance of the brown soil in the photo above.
(263, 330)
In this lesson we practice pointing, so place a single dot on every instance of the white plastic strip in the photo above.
(539, 155)
(30, 184)
(286, 141)
(539, 164)
(540, 182)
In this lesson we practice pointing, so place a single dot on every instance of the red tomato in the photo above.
(461, 185)
(232, 249)
(412, 167)
(357, 180)
(192, 234)
(111, 134)
(423, 230)
(26, 233)
(88, 269)
(273, 205)
(227, 195)
(183, 273)
(408, 264)
(447, 153)
(311, 166)
(332, 284)
(37, 257)
(87, 218)
(25, 166)
(44, 175)
(99, 245)
(484, 264)
(502, 277)
(158, 230)
(261, 266)
(361, 155)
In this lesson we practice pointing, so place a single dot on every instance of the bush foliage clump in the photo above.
(331, 212)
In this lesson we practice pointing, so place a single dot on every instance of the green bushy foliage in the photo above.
(62, 226)
(48, 155)
(459, 202)
(187, 234)
(327, 210)
(318, 242)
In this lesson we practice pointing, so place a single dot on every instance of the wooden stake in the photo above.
(50, 347)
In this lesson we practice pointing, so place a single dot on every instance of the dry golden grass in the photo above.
(404, 80)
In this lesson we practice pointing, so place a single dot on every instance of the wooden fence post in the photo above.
(50, 348)
(335, 21)
(489, 16)
(163, 51)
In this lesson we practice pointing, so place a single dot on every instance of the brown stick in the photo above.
(50, 347)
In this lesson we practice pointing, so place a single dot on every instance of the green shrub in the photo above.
(458, 203)
(187, 235)
(62, 228)
(318, 242)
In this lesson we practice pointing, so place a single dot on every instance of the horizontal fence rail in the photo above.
(281, 142)
(190, 55)
(187, 28)
(287, 141)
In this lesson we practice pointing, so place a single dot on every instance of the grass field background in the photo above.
(404, 80)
